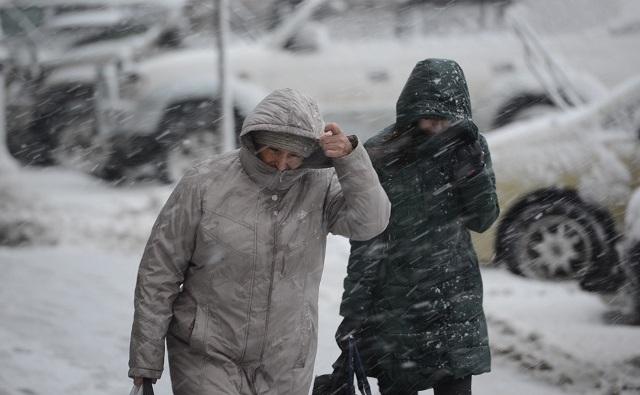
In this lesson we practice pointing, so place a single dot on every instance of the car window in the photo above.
(74, 8)
(113, 33)
(68, 36)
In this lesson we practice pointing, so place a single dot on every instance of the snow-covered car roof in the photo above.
(88, 19)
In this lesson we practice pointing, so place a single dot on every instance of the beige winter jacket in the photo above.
(232, 267)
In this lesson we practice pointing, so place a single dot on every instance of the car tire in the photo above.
(75, 143)
(28, 148)
(61, 107)
(553, 235)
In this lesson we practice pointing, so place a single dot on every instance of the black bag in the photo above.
(340, 382)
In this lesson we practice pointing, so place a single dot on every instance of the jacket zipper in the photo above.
(273, 270)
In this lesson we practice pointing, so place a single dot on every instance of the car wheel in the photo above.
(26, 146)
(76, 143)
(554, 235)
(60, 109)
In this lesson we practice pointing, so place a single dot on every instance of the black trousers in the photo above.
(461, 386)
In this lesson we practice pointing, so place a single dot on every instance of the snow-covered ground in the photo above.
(66, 304)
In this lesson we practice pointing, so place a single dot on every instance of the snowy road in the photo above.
(66, 309)
(67, 312)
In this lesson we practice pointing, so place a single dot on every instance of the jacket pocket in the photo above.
(198, 337)
(184, 315)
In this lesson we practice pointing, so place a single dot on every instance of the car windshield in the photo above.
(17, 21)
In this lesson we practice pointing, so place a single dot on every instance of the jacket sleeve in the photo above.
(160, 275)
(356, 206)
(362, 274)
(478, 197)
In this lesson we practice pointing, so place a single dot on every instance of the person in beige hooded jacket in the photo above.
(231, 272)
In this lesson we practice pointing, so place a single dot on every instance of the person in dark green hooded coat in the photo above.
(413, 295)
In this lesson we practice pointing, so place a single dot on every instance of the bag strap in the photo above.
(147, 387)
(363, 383)
(350, 372)
(355, 367)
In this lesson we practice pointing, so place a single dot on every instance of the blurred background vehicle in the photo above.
(165, 117)
(325, 48)
(56, 48)
(514, 73)
(564, 182)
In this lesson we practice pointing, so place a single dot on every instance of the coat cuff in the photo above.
(147, 373)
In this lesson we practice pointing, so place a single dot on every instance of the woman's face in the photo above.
(279, 158)
(433, 126)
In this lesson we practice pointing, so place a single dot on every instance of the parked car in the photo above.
(563, 183)
(358, 74)
(165, 114)
(346, 78)
(56, 47)
(355, 79)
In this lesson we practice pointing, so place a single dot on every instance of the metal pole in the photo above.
(7, 163)
(226, 124)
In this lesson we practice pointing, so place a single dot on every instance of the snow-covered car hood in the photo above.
(169, 67)
(592, 149)
(195, 67)
(589, 146)
(175, 77)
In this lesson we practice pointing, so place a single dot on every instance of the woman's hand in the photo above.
(468, 161)
(334, 142)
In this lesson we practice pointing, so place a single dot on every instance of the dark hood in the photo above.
(436, 87)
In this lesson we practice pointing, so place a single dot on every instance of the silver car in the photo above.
(164, 115)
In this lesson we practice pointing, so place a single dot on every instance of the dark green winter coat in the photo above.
(418, 286)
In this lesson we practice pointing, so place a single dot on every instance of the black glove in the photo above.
(467, 161)
(348, 326)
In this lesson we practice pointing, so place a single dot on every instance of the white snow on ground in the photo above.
(558, 333)
(77, 208)
(66, 309)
